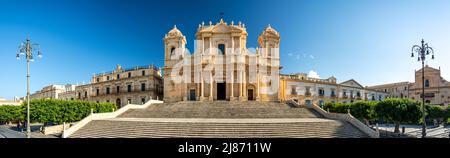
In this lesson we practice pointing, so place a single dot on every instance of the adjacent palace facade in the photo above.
(437, 89)
(221, 67)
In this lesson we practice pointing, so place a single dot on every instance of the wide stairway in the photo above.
(221, 109)
(219, 120)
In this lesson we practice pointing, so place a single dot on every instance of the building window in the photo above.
(143, 100)
(221, 49)
(143, 72)
(172, 51)
(405, 88)
(107, 101)
(129, 88)
(293, 91)
(97, 92)
(143, 87)
(98, 79)
(427, 83)
(107, 90)
(333, 93)
(344, 93)
(85, 94)
(321, 92)
(129, 101)
(118, 76)
(358, 94)
(129, 74)
(118, 89)
(308, 92)
(79, 95)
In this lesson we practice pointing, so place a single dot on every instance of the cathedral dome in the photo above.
(269, 31)
(174, 32)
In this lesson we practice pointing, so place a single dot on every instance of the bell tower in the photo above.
(174, 52)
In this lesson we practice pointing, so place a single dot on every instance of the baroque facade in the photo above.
(221, 67)
(309, 91)
(123, 86)
(437, 89)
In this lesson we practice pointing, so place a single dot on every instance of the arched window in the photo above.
(143, 72)
(118, 76)
(172, 51)
(129, 74)
(221, 49)
(143, 87)
(427, 83)
(129, 88)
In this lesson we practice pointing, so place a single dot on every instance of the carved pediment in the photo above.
(352, 83)
(221, 29)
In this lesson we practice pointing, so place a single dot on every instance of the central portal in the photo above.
(221, 91)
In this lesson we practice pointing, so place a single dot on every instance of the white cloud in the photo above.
(297, 57)
(311, 56)
(290, 54)
(313, 74)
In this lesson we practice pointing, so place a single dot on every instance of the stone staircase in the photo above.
(219, 120)
(297, 128)
(221, 109)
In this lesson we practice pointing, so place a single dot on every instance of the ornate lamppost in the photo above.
(422, 51)
(26, 49)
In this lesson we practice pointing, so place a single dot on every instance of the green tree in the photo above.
(11, 113)
(399, 111)
(436, 112)
(363, 110)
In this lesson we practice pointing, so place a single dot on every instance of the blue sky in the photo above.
(367, 40)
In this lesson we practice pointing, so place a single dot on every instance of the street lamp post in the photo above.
(422, 51)
(26, 49)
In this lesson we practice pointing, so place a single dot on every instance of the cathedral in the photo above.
(221, 67)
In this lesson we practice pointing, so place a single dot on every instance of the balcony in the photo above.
(307, 93)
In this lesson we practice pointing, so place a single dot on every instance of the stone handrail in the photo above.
(345, 117)
(99, 116)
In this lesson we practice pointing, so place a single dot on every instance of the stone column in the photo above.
(232, 86)
(210, 45)
(203, 45)
(258, 91)
(211, 96)
(240, 84)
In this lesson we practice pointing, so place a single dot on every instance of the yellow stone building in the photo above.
(122, 86)
(221, 67)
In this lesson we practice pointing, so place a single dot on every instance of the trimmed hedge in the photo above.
(391, 110)
(11, 113)
(54, 111)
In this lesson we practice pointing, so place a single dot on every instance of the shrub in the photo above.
(59, 111)
(11, 113)
(436, 112)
